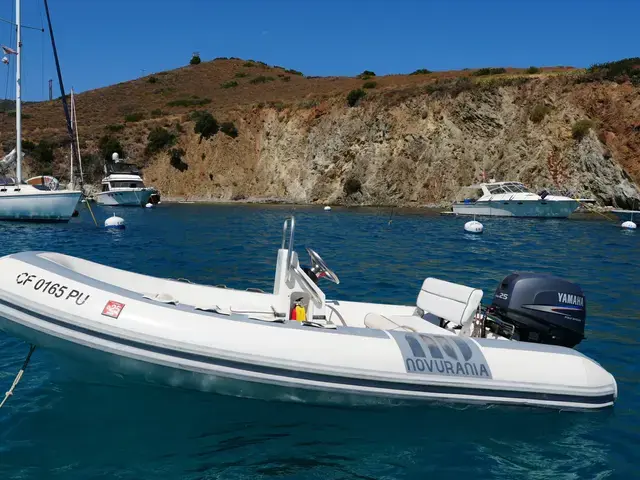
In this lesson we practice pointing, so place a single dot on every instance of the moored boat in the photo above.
(123, 185)
(513, 199)
(293, 344)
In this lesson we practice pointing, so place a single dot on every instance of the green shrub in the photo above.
(157, 113)
(366, 75)
(352, 185)
(421, 71)
(294, 72)
(205, 125)
(229, 84)
(627, 69)
(189, 102)
(159, 138)
(107, 146)
(117, 127)
(27, 146)
(311, 103)
(261, 79)
(241, 74)
(133, 117)
(354, 97)
(175, 159)
(581, 128)
(229, 128)
(538, 113)
(488, 71)
(152, 79)
(42, 154)
(451, 86)
(195, 59)
(532, 70)
(250, 63)
(369, 85)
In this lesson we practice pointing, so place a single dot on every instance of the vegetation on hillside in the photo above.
(421, 71)
(488, 71)
(206, 125)
(108, 145)
(538, 112)
(581, 128)
(354, 97)
(625, 70)
(228, 128)
(159, 138)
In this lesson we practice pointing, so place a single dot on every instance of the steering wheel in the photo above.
(320, 269)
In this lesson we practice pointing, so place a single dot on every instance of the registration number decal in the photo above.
(49, 287)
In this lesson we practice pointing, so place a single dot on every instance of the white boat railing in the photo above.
(292, 222)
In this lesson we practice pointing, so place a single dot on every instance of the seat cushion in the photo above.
(450, 301)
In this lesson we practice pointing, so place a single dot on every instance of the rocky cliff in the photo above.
(411, 143)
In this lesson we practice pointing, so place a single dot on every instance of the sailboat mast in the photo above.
(18, 97)
(71, 183)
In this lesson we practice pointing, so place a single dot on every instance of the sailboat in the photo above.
(23, 201)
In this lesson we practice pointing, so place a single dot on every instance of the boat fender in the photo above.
(298, 312)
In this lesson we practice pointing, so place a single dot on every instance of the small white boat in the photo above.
(626, 214)
(123, 186)
(293, 344)
(512, 199)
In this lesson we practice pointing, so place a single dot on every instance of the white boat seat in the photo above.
(450, 301)
(407, 323)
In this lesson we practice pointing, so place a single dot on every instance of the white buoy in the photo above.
(473, 227)
(149, 205)
(327, 208)
(114, 222)
(629, 225)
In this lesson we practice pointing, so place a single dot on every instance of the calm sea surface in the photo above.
(64, 424)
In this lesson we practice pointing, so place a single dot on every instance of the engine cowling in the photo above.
(542, 308)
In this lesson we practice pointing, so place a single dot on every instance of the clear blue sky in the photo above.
(102, 42)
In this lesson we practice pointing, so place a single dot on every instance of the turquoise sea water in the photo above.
(66, 421)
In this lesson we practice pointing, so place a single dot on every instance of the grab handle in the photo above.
(288, 221)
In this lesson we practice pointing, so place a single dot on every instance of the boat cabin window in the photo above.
(105, 187)
(496, 190)
(127, 184)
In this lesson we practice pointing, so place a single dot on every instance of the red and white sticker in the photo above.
(112, 309)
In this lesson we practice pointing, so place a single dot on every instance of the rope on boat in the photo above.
(18, 376)
(87, 203)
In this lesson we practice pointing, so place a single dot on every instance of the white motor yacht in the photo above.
(123, 185)
(513, 199)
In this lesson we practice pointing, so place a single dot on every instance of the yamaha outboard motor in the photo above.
(540, 308)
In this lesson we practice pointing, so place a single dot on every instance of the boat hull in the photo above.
(33, 205)
(624, 215)
(126, 198)
(528, 209)
(45, 303)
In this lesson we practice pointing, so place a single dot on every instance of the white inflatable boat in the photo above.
(245, 343)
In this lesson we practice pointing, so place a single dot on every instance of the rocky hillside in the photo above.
(410, 140)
